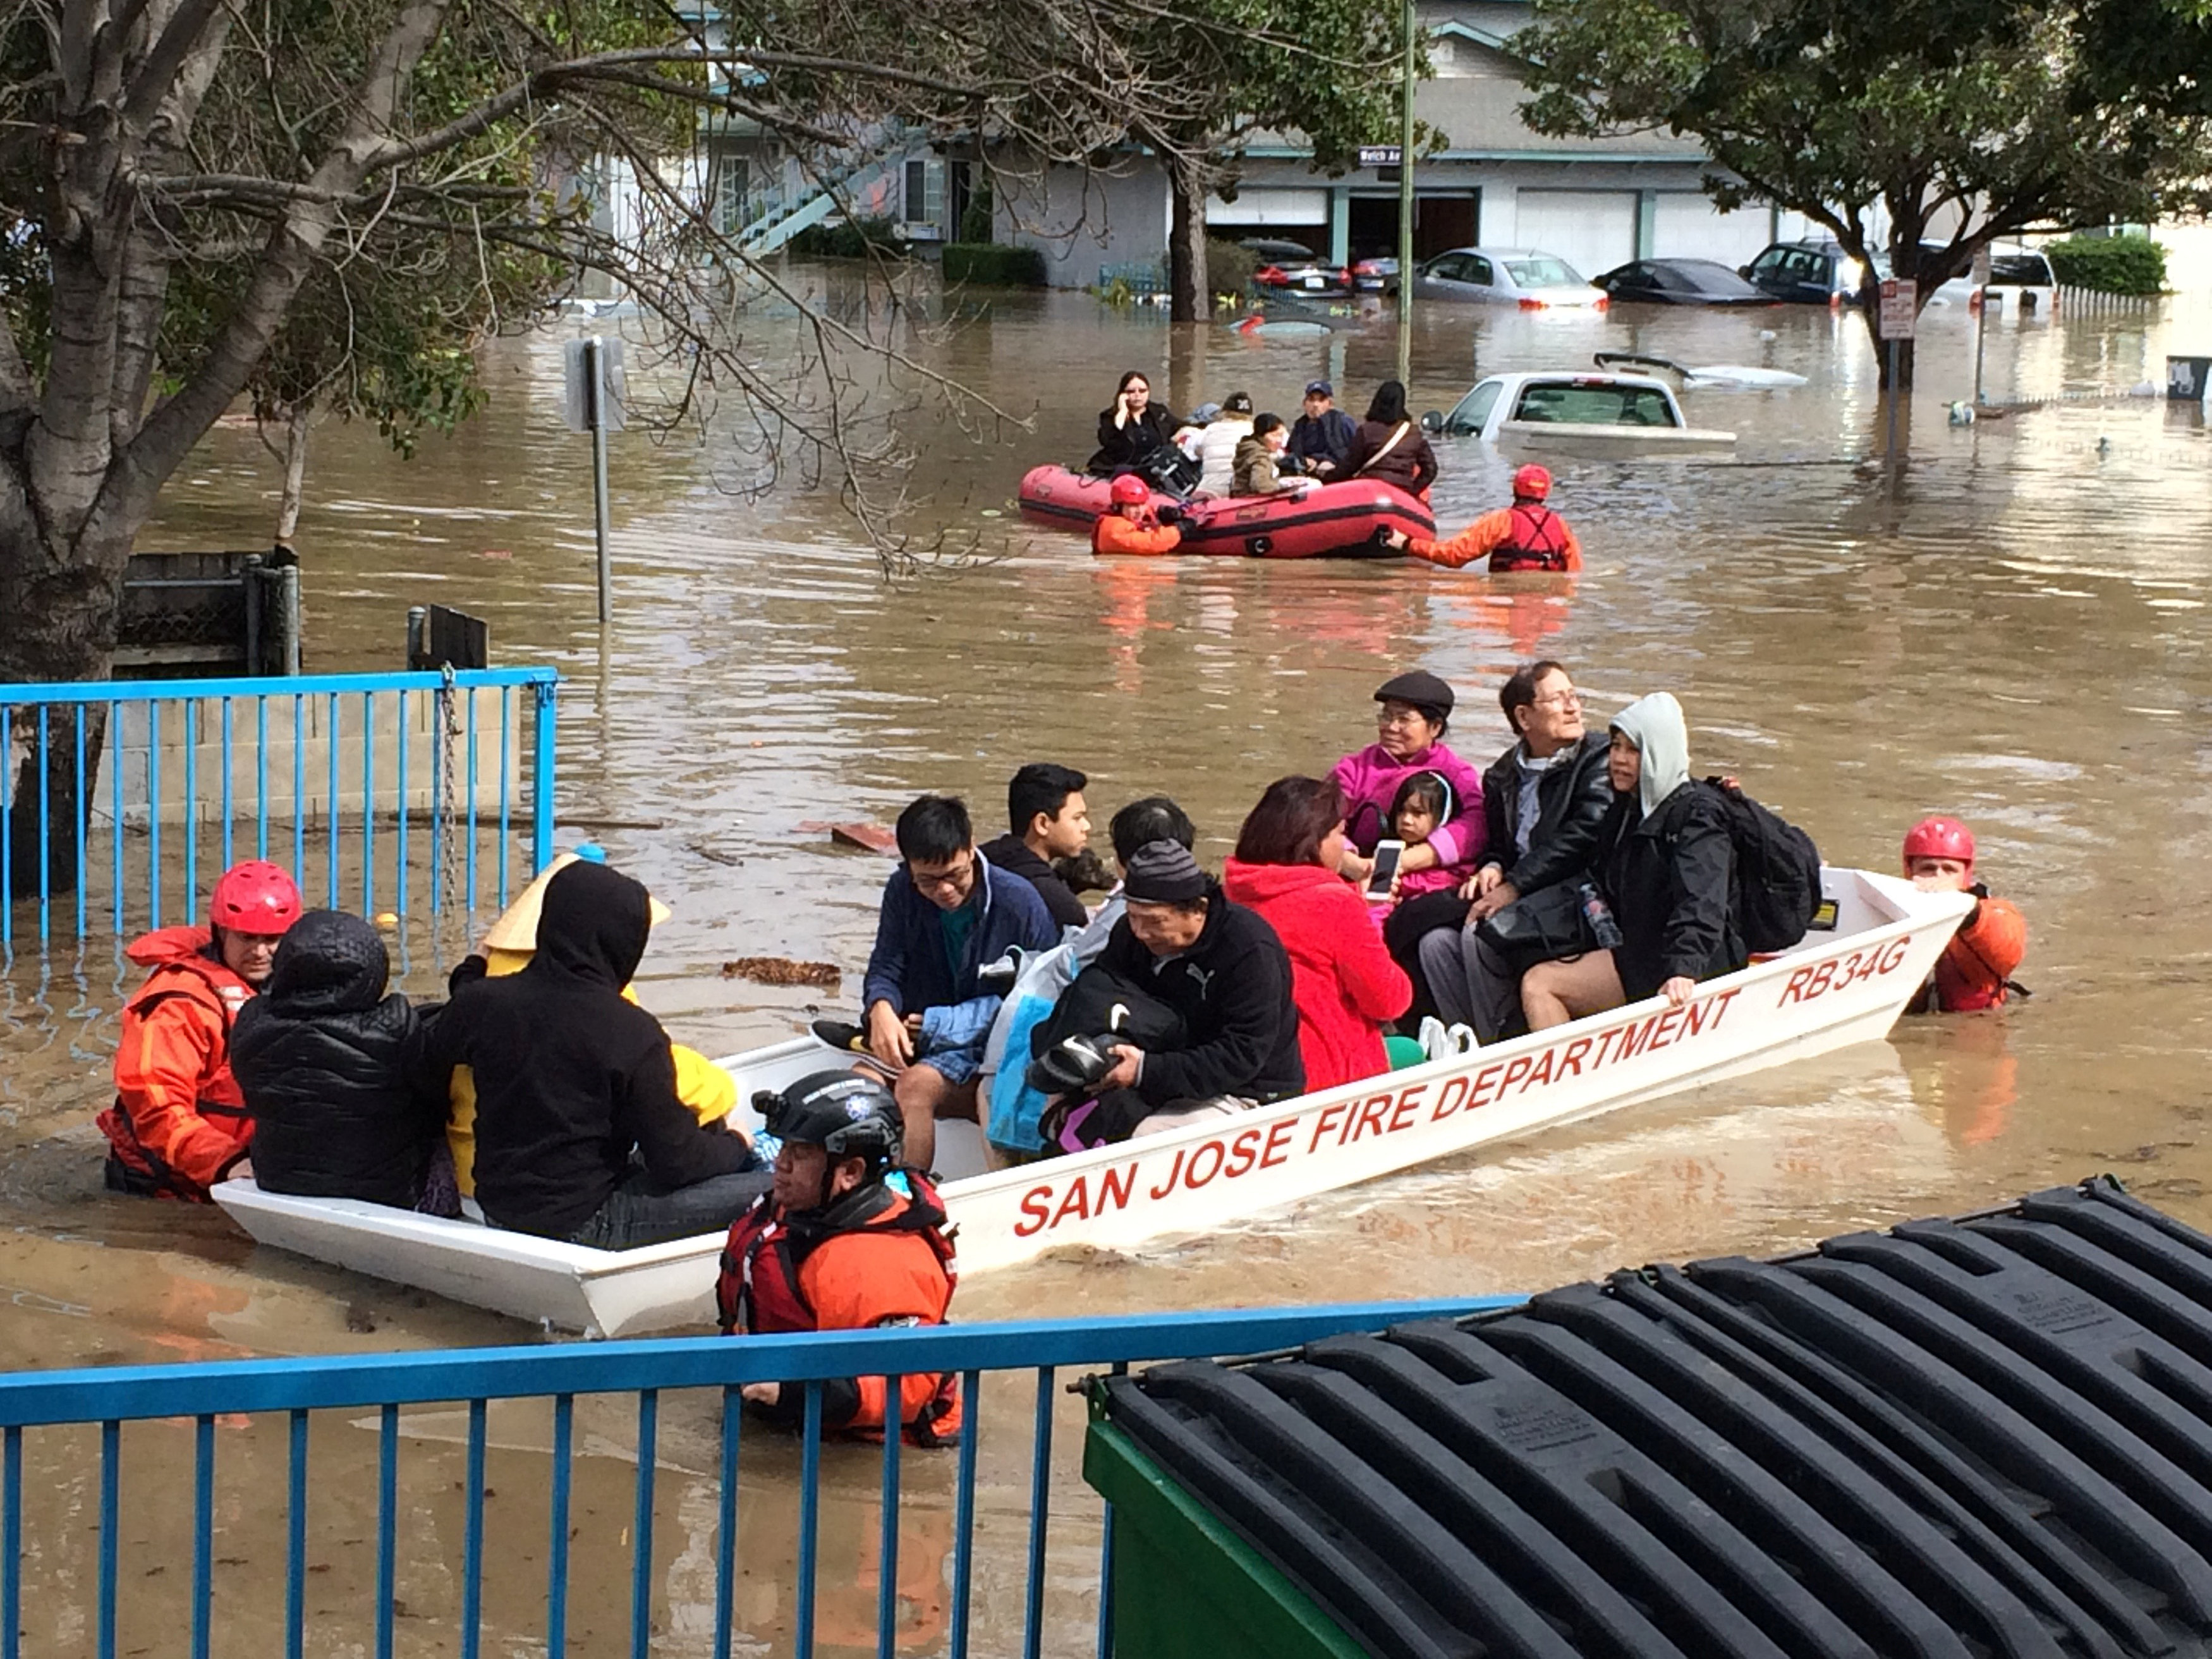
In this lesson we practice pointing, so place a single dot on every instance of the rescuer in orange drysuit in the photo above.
(1132, 525)
(179, 1124)
(1526, 535)
(836, 1245)
(1976, 969)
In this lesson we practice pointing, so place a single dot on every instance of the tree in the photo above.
(189, 186)
(1328, 68)
(1972, 119)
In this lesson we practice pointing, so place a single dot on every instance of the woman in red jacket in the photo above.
(1342, 979)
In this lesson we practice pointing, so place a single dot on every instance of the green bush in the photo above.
(2109, 264)
(1229, 268)
(987, 264)
(853, 239)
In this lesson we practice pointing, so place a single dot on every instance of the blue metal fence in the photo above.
(148, 790)
(64, 1403)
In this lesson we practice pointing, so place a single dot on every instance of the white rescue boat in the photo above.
(1846, 983)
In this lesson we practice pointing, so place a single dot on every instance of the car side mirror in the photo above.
(1432, 422)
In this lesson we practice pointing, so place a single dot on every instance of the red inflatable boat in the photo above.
(1340, 521)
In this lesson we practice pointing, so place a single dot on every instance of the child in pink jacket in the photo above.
(1424, 801)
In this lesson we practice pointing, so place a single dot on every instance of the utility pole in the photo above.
(1406, 209)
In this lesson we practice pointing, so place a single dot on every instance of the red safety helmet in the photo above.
(1130, 490)
(1531, 483)
(255, 897)
(1939, 838)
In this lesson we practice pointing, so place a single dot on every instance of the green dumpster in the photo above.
(1185, 1587)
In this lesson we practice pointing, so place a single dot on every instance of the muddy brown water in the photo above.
(2010, 626)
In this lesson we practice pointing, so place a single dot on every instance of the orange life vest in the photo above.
(1976, 969)
(179, 1122)
(895, 1266)
(1538, 541)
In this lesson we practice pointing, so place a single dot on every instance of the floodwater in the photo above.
(2008, 625)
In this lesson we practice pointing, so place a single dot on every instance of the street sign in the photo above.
(591, 400)
(1381, 156)
(578, 403)
(1981, 272)
(1900, 308)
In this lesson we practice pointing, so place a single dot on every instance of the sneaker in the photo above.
(999, 975)
(849, 1039)
(842, 1034)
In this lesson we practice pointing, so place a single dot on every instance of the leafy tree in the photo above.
(1969, 120)
(1328, 68)
(302, 200)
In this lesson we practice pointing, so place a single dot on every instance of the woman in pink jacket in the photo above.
(1409, 732)
(1342, 979)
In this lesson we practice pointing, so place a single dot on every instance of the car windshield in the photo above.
(2021, 269)
(1543, 273)
(1601, 404)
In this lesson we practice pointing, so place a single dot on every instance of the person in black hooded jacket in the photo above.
(331, 1071)
(579, 1133)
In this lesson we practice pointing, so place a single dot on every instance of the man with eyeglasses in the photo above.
(946, 913)
(1545, 798)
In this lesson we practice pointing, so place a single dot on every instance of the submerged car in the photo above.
(1293, 267)
(1567, 412)
(1378, 276)
(1815, 273)
(2020, 281)
(1526, 278)
(1681, 283)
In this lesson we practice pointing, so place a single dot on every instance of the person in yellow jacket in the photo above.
(508, 943)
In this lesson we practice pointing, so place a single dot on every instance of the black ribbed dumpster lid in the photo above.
(1985, 1436)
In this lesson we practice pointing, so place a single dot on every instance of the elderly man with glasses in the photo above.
(946, 913)
(1544, 799)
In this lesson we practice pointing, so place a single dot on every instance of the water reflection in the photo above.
(2007, 627)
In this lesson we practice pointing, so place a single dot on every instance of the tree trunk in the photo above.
(1881, 358)
(1188, 300)
(296, 471)
(61, 605)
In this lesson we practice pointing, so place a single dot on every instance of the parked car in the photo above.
(1563, 411)
(1526, 278)
(1375, 275)
(1809, 273)
(1295, 268)
(2020, 281)
(1681, 283)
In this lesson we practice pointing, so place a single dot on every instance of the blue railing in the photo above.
(201, 773)
(61, 1405)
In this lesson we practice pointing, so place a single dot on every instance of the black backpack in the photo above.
(1776, 889)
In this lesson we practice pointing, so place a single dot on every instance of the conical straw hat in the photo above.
(517, 926)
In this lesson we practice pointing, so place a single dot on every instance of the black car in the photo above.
(1294, 268)
(1808, 273)
(1681, 283)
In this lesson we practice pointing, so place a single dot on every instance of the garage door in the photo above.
(1689, 227)
(1270, 206)
(1592, 230)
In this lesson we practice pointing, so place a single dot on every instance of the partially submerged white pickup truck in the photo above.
(1578, 413)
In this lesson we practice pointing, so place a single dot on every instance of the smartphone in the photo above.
(1387, 855)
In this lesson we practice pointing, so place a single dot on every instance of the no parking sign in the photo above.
(1900, 308)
